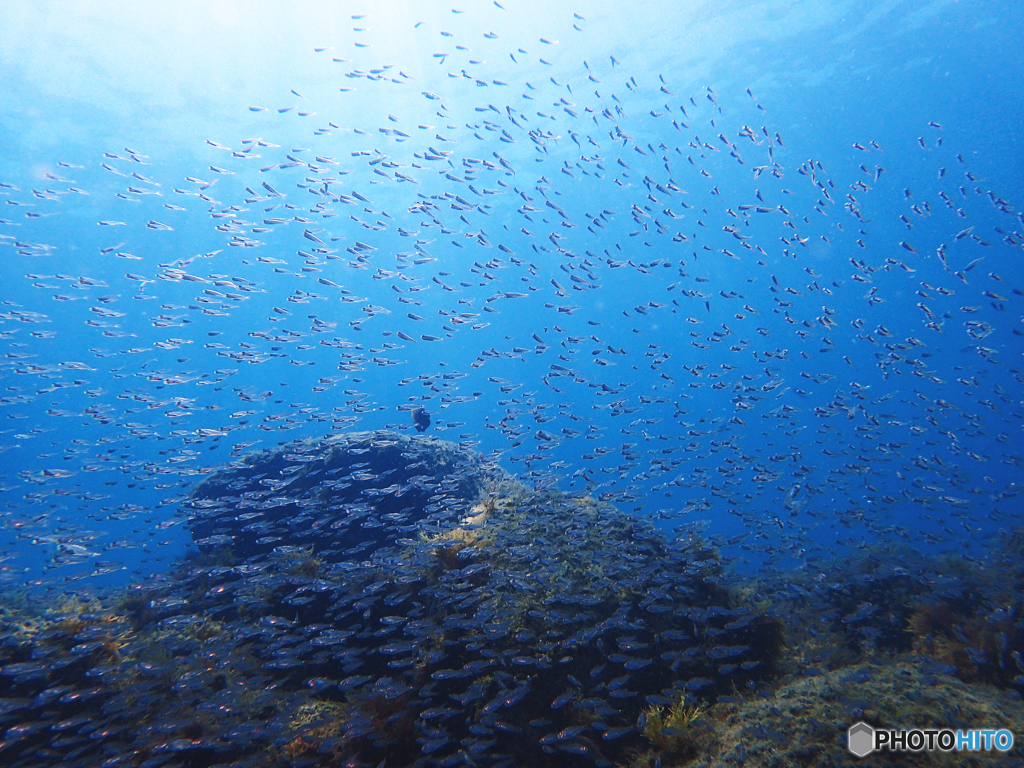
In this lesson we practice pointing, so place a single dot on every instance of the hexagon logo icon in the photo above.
(861, 739)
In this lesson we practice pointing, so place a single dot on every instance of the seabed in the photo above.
(388, 600)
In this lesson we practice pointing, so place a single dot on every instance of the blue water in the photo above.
(179, 184)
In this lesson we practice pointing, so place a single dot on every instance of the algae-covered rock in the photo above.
(805, 723)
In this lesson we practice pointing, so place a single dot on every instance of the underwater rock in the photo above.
(403, 600)
(805, 723)
(532, 625)
(461, 616)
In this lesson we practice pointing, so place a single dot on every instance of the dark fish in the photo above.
(420, 419)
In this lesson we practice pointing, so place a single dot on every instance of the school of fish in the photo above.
(615, 284)
(616, 281)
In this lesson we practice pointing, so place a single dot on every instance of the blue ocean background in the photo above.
(801, 391)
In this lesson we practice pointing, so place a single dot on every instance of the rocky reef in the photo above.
(377, 598)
